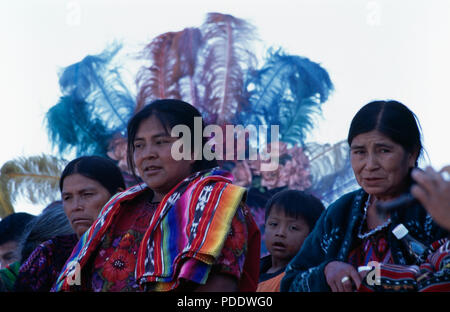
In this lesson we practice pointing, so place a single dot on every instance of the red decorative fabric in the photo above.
(431, 276)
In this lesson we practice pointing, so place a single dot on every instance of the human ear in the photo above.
(413, 158)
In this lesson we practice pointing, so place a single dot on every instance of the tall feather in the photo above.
(35, 178)
(331, 171)
(225, 59)
(173, 61)
(286, 91)
(96, 103)
(6, 207)
(159, 80)
(71, 126)
(188, 44)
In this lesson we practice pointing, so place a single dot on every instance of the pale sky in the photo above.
(376, 49)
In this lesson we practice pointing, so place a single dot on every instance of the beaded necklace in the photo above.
(375, 230)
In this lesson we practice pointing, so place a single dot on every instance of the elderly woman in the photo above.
(86, 184)
(385, 144)
(185, 228)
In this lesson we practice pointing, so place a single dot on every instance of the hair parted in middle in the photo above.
(170, 112)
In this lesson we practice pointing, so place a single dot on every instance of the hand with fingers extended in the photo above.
(342, 277)
(432, 189)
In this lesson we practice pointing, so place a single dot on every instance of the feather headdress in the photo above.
(203, 66)
(96, 104)
(35, 178)
(286, 91)
(225, 59)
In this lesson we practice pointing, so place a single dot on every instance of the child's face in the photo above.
(284, 235)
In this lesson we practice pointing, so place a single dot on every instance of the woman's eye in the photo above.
(162, 141)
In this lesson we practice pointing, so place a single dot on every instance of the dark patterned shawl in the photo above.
(333, 236)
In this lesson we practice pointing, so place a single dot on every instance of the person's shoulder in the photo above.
(54, 244)
(345, 202)
(347, 198)
(39, 255)
(213, 175)
(44, 250)
(219, 180)
(131, 196)
(68, 239)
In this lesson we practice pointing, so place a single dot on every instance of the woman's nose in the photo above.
(77, 204)
(148, 151)
(372, 162)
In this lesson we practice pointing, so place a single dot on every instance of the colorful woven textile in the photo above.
(372, 248)
(191, 222)
(40, 271)
(431, 276)
(114, 261)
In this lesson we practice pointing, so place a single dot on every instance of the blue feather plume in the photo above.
(96, 104)
(70, 127)
(286, 91)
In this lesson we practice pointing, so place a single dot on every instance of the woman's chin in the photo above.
(381, 193)
(81, 230)
(375, 190)
(153, 181)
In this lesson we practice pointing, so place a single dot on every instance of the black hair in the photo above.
(51, 222)
(13, 226)
(296, 204)
(97, 168)
(391, 118)
(169, 112)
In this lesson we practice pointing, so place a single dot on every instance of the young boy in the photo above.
(290, 217)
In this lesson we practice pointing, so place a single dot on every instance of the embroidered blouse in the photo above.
(114, 264)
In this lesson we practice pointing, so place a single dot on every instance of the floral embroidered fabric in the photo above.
(113, 266)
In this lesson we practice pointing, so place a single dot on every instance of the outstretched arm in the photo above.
(433, 192)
